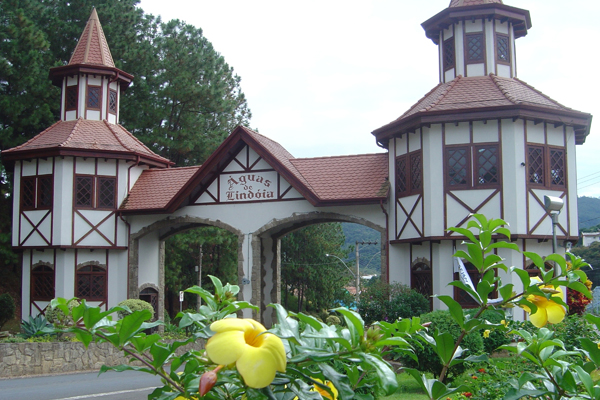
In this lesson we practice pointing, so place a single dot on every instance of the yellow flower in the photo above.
(547, 310)
(324, 393)
(257, 354)
(486, 333)
(503, 322)
(598, 345)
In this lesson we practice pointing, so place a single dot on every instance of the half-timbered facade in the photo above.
(93, 206)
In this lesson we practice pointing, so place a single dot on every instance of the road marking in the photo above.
(90, 396)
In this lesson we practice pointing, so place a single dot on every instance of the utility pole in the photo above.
(199, 271)
(358, 266)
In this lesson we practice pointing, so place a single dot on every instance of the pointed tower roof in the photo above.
(461, 3)
(92, 47)
(91, 56)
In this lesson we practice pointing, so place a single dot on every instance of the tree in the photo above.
(182, 253)
(306, 272)
(184, 100)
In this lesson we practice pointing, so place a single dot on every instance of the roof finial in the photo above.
(92, 47)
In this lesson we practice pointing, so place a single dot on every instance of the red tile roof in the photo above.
(324, 180)
(461, 3)
(86, 135)
(355, 177)
(481, 94)
(155, 188)
(92, 47)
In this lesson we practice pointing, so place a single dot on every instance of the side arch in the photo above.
(160, 231)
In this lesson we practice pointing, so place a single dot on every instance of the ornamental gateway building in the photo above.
(93, 206)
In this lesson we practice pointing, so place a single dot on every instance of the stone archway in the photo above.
(266, 260)
(162, 230)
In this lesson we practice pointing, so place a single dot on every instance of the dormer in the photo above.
(477, 38)
(91, 85)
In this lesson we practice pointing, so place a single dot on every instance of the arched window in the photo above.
(90, 282)
(421, 280)
(42, 282)
(150, 295)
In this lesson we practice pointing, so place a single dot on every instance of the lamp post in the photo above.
(356, 276)
(553, 205)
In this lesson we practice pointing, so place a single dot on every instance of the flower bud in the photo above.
(208, 380)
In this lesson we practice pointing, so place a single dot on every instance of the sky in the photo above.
(320, 75)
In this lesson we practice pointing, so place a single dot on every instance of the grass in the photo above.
(408, 389)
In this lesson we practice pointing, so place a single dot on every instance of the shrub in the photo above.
(134, 305)
(35, 326)
(429, 361)
(497, 337)
(57, 317)
(388, 302)
(333, 320)
(7, 308)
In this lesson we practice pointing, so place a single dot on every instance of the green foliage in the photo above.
(131, 305)
(381, 301)
(36, 326)
(7, 308)
(588, 210)
(306, 272)
(428, 359)
(497, 335)
(572, 328)
(591, 254)
(58, 318)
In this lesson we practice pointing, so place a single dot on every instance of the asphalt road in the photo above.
(128, 385)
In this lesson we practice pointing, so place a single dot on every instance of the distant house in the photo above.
(588, 238)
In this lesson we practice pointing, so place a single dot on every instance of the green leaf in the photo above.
(537, 260)
(392, 341)
(340, 381)
(385, 374)
(309, 320)
(286, 327)
(586, 380)
(354, 322)
(207, 296)
(465, 232)
(218, 285)
(130, 324)
(523, 275)
(581, 288)
(506, 291)
(504, 245)
(160, 355)
(84, 337)
(560, 260)
(444, 346)
(456, 310)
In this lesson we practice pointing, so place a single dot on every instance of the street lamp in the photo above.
(553, 205)
(356, 275)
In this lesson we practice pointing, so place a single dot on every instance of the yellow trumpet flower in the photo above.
(257, 354)
(547, 310)
(324, 393)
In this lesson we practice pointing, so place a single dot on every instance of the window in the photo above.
(91, 282)
(472, 166)
(36, 192)
(409, 174)
(94, 97)
(546, 166)
(71, 97)
(502, 49)
(95, 192)
(463, 298)
(448, 59)
(112, 101)
(421, 280)
(42, 282)
(474, 48)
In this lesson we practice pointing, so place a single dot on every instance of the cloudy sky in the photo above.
(321, 75)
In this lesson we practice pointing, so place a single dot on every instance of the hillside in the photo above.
(589, 212)
(370, 261)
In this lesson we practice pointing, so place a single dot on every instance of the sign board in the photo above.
(180, 297)
(253, 186)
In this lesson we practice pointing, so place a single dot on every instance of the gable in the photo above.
(247, 178)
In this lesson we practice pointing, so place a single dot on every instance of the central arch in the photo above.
(266, 254)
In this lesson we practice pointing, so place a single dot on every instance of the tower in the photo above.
(481, 141)
(69, 181)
